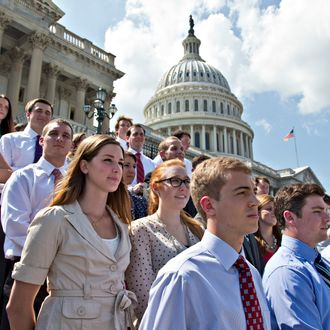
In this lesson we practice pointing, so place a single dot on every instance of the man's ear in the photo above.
(289, 217)
(207, 205)
(28, 114)
(162, 154)
(41, 141)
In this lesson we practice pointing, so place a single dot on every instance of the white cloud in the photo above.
(264, 124)
(283, 49)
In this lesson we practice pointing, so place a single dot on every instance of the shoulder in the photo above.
(14, 135)
(141, 225)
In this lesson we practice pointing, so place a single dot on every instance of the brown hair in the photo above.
(120, 118)
(179, 133)
(258, 179)
(58, 121)
(292, 198)
(129, 131)
(29, 105)
(165, 144)
(7, 124)
(157, 175)
(198, 159)
(210, 176)
(264, 200)
(73, 183)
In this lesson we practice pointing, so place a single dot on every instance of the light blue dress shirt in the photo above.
(297, 295)
(199, 289)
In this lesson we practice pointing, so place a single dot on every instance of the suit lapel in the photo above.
(85, 229)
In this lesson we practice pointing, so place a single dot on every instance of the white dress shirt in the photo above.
(148, 164)
(199, 289)
(18, 148)
(122, 142)
(158, 160)
(27, 191)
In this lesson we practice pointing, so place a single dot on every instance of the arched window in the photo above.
(207, 141)
(177, 106)
(205, 105)
(169, 108)
(218, 142)
(214, 109)
(196, 105)
(228, 109)
(197, 141)
(186, 105)
(162, 110)
(221, 107)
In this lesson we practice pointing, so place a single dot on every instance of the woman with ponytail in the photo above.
(166, 232)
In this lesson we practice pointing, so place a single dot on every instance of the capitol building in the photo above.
(41, 58)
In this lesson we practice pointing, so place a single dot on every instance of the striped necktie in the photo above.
(139, 168)
(323, 270)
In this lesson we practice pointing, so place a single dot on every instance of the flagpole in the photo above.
(295, 148)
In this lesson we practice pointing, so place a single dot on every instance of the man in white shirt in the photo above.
(135, 137)
(185, 139)
(122, 125)
(170, 148)
(20, 148)
(30, 189)
(204, 287)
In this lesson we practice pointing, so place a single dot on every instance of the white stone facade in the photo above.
(41, 58)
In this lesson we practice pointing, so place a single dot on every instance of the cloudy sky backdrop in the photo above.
(274, 54)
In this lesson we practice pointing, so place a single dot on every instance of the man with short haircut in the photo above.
(122, 125)
(170, 148)
(22, 148)
(30, 189)
(296, 278)
(135, 137)
(185, 139)
(262, 185)
(211, 285)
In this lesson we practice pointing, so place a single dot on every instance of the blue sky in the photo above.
(274, 54)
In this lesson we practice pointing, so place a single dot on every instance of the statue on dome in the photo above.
(191, 31)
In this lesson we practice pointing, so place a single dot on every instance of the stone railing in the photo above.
(84, 45)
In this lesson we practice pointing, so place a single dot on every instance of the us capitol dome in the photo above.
(194, 96)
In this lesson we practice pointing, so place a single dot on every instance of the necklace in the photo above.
(273, 246)
(175, 242)
(94, 221)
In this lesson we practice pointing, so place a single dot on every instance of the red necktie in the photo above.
(249, 297)
(57, 176)
(139, 168)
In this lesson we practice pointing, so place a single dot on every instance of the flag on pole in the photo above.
(289, 136)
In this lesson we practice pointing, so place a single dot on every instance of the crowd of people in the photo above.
(96, 235)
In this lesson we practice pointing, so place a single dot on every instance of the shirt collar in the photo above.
(29, 131)
(299, 248)
(134, 151)
(224, 253)
(46, 167)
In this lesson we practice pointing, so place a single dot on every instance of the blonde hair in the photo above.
(157, 175)
(73, 183)
(210, 176)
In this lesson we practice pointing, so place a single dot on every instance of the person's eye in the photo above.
(121, 164)
(176, 182)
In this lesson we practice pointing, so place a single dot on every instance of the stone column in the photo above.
(241, 143)
(63, 110)
(52, 74)
(250, 146)
(168, 131)
(234, 142)
(81, 85)
(17, 56)
(192, 135)
(215, 138)
(225, 140)
(4, 21)
(247, 153)
(39, 42)
(203, 146)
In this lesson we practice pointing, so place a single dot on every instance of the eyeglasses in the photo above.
(176, 182)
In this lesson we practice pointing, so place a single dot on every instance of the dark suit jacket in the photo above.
(252, 253)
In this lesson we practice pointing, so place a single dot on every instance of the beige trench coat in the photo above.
(85, 280)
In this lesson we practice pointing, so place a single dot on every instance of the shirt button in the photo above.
(113, 267)
(81, 311)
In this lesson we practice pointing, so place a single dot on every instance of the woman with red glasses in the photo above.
(166, 232)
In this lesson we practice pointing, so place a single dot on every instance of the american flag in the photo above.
(289, 136)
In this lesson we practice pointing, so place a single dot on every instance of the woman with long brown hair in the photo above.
(166, 232)
(6, 117)
(268, 235)
(81, 244)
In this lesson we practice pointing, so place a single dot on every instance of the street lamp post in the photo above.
(98, 108)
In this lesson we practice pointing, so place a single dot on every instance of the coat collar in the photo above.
(82, 225)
